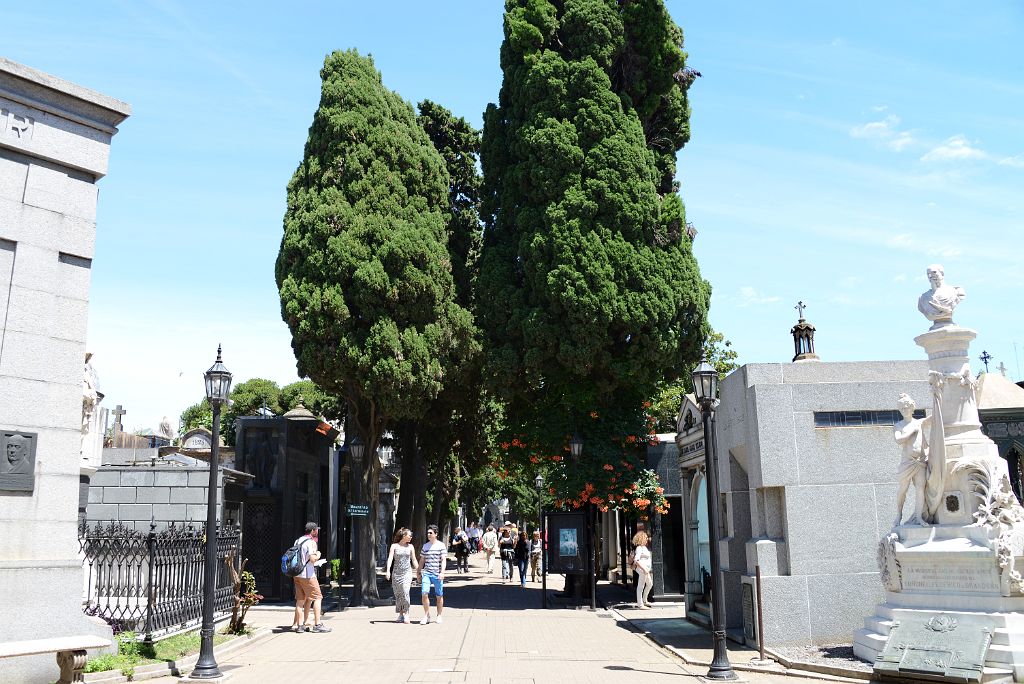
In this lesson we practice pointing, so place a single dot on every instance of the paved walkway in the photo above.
(492, 632)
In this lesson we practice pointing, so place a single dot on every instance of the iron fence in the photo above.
(152, 583)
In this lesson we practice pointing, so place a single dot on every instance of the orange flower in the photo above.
(504, 445)
(515, 442)
(556, 458)
(534, 459)
(593, 414)
(660, 490)
(609, 467)
(647, 404)
(630, 439)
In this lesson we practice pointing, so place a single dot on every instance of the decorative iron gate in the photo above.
(152, 583)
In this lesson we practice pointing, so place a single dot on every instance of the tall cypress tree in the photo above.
(363, 269)
(589, 292)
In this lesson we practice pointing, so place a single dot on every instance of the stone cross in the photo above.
(1002, 368)
(800, 306)
(118, 412)
(985, 358)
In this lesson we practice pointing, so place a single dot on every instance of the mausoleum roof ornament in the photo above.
(803, 337)
(300, 412)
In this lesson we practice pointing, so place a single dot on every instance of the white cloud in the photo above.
(879, 108)
(749, 295)
(885, 128)
(955, 148)
(900, 278)
(1016, 162)
(885, 131)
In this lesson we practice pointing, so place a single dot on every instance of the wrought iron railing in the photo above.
(151, 582)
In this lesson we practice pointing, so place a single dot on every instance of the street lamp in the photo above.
(218, 387)
(576, 451)
(356, 449)
(705, 388)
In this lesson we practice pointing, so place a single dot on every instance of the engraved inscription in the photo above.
(969, 577)
(952, 503)
(14, 125)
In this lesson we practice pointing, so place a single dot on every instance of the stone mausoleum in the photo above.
(807, 465)
(54, 146)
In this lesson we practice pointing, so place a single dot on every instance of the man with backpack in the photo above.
(304, 554)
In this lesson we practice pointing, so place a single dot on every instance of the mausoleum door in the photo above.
(703, 536)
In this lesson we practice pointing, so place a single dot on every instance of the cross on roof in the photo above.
(800, 306)
(985, 358)
(1002, 368)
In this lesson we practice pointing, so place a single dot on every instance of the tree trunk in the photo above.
(407, 447)
(419, 488)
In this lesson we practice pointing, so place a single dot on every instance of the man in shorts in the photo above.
(431, 573)
(307, 586)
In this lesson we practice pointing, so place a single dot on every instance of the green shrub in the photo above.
(336, 569)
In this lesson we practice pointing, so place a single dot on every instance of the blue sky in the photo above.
(837, 149)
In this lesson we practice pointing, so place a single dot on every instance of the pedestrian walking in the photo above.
(507, 548)
(474, 537)
(431, 574)
(522, 556)
(642, 565)
(536, 550)
(307, 586)
(459, 545)
(400, 565)
(489, 542)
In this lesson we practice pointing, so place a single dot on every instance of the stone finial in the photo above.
(803, 337)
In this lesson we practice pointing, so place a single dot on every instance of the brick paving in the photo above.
(492, 633)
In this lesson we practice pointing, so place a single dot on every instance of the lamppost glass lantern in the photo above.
(218, 382)
(576, 447)
(356, 449)
(705, 382)
(538, 481)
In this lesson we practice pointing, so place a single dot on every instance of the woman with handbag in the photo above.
(642, 564)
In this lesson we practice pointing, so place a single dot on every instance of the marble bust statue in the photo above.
(937, 304)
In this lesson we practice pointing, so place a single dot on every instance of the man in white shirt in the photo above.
(307, 586)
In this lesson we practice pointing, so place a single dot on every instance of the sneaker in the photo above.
(439, 619)
(298, 629)
(321, 628)
(401, 618)
(425, 620)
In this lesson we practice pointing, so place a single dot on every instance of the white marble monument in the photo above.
(958, 559)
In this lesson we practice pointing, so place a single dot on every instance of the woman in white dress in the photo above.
(400, 574)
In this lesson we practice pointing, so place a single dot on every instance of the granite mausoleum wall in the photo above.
(808, 503)
(54, 146)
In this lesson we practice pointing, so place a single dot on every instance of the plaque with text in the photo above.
(18, 461)
(567, 543)
(749, 616)
(357, 510)
(939, 648)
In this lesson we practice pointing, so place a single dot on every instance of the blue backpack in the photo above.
(291, 561)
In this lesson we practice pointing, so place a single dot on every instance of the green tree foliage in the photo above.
(451, 434)
(247, 398)
(363, 271)
(197, 415)
(666, 403)
(315, 399)
(589, 293)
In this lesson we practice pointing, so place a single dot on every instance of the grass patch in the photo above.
(132, 653)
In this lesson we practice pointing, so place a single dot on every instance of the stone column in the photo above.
(54, 144)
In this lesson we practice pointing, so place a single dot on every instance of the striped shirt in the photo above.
(433, 557)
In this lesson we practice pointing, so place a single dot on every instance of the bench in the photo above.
(70, 652)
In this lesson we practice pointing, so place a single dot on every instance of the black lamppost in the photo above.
(356, 448)
(576, 451)
(538, 482)
(218, 386)
(705, 388)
